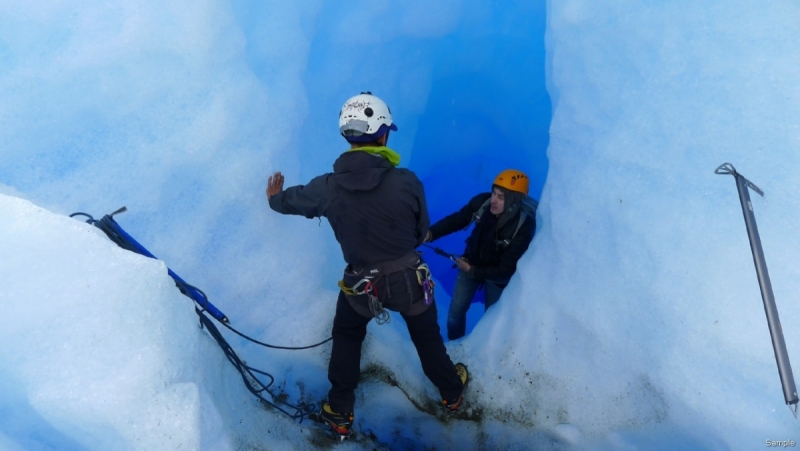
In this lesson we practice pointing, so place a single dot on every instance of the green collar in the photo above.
(385, 152)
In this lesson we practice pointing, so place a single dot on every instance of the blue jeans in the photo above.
(463, 293)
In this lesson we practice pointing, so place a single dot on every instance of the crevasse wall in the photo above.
(638, 305)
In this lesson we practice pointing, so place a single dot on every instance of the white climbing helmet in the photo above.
(365, 118)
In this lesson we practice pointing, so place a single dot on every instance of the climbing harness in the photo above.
(364, 281)
(249, 374)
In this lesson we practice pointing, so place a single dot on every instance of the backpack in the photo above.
(528, 206)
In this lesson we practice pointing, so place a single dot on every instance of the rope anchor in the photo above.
(249, 374)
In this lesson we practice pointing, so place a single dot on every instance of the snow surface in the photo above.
(634, 322)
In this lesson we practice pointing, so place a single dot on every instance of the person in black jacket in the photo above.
(505, 221)
(379, 216)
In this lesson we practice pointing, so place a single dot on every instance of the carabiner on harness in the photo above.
(371, 290)
(426, 281)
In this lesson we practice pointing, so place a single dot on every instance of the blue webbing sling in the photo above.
(110, 227)
(249, 374)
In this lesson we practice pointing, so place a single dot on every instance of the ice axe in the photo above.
(442, 252)
(773, 321)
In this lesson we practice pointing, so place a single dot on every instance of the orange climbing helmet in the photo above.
(514, 180)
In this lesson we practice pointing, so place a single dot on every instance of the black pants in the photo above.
(349, 330)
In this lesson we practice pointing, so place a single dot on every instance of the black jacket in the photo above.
(377, 212)
(488, 259)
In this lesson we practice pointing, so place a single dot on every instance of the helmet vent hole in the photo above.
(368, 112)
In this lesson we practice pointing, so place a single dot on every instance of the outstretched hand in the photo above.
(274, 184)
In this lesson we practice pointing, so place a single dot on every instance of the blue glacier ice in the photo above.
(634, 321)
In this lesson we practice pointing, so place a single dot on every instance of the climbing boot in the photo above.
(463, 374)
(340, 423)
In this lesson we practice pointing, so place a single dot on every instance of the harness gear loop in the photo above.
(425, 279)
(381, 315)
(354, 290)
(371, 290)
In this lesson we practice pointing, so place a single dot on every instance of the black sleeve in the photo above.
(459, 219)
(507, 265)
(309, 200)
(423, 220)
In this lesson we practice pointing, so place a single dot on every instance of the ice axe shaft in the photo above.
(441, 252)
(773, 321)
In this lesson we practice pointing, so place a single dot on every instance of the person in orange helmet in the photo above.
(505, 222)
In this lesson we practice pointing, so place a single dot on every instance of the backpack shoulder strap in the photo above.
(476, 217)
(522, 217)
